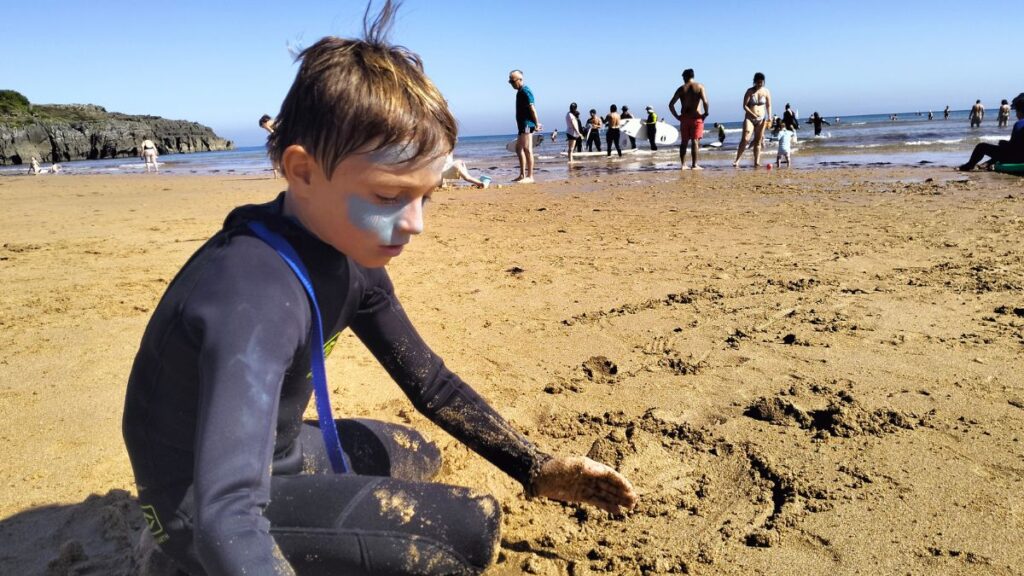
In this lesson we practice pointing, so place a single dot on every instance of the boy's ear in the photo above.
(298, 167)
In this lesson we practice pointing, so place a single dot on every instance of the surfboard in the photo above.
(715, 144)
(631, 126)
(538, 138)
(664, 134)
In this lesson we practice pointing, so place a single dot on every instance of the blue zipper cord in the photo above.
(339, 461)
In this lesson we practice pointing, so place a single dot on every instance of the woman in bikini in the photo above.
(757, 106)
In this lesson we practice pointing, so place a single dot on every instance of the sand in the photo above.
(802, 372)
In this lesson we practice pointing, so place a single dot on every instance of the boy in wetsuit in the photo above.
(230, 478)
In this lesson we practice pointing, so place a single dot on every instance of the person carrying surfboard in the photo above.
(693, 109)
(652, 127)
(1006, 151)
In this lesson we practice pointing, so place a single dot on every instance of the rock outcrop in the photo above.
(59, 133)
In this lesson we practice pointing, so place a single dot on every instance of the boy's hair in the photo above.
(357, 96)
(687, 74)
(264, 119)
(1018, 102)
(758, 77)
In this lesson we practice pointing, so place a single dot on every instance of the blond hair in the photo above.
(362, 95)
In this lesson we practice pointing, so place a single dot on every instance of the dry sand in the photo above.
(802, 373)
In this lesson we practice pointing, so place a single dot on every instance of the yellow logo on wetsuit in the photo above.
(328, 348)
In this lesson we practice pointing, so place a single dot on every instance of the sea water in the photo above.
(866, 140)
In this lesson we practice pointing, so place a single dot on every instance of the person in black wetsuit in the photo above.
(230, 478)
(1009, 151)
(816, 120)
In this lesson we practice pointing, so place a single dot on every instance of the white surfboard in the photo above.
(631, 126)
(538, 138)
(665, 133)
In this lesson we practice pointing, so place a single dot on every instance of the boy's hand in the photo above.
(580, 479)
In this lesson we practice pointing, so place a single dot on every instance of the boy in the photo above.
(230, 479)
(786, 136)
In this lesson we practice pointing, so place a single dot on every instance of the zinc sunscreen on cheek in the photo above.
(380, 220)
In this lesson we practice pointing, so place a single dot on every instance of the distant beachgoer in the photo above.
(554, 135)
(579, 141)
(652, 127)
(526, 124)
(721, 132)
(593, 131)
(816, 120)
(34, 168)
(573, 134)
(788, 115)
(149, 154)
(613, 120)
(627, 115)
(945, 113)
(977, 114)
(456, 170)
(55, 169)
(1009, 151)
(267, 123)
(930, 115)
(1004, 114)
(786, 137)
(757, 108)
(693, 109)
(837, 119)
(776, 127)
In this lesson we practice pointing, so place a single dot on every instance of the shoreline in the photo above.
(813, 369)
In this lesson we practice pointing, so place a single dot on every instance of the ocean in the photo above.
(865, 140)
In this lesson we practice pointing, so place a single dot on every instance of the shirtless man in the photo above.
(977, 114)
(692, 101)
(613, 120)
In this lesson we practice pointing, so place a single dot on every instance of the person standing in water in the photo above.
(816, 120)
(612, 119)
(572, 129)
(526, 124)
(1004, 114)
(757, 109)
(977, 114)
(652, 127)
(693, 109)
(627, 115)
(593, 131)
(149, 155)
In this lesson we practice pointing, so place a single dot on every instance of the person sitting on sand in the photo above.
(149, 154)
(230, 477)
(456, 170)
(1007, 151)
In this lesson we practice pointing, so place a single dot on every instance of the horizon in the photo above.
(225, 65)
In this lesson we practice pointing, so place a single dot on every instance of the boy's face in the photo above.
(369, 208)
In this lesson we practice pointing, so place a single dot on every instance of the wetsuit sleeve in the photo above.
(435, 391)
(249, 316)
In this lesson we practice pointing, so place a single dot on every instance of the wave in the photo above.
(933, 142)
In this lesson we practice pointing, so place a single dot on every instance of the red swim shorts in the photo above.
(691, 127)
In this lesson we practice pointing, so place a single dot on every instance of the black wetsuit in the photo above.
(1009, 151)
(230, 477)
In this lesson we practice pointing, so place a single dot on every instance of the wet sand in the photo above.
(802, 373)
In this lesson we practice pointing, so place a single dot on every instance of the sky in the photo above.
(224, 63)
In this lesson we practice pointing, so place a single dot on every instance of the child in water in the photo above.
(230, 478)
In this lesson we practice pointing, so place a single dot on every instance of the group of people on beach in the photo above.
(693, 109)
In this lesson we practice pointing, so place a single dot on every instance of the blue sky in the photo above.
(225, 63)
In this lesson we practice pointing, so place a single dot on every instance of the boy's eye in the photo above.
(387, 199)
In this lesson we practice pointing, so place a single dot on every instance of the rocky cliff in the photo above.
(58, 133)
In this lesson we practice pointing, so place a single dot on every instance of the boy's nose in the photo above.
(411, 221)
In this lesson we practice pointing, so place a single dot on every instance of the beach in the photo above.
(802, 372)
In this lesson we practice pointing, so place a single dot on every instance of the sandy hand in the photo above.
(580, 479)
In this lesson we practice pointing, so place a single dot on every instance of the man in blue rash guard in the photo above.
(230, 478)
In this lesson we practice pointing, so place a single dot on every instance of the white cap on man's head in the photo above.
(650, 108)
